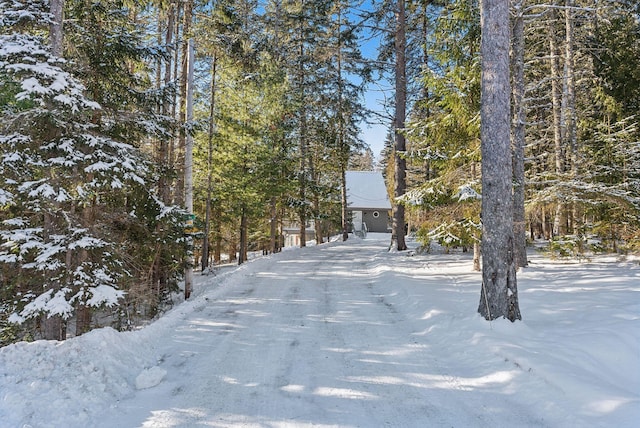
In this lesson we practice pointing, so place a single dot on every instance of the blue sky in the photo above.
(374, 133)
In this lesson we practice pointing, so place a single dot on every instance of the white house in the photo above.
(368, 201)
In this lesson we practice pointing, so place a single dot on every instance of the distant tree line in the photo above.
(574, 131)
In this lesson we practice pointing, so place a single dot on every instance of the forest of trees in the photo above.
(574, 136)
(93, 97)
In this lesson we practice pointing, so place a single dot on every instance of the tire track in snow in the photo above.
(306, 339)
(438, 383)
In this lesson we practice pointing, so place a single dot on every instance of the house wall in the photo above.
(379, 223)
(292, 237)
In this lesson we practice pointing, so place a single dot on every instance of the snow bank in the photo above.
(55, 384)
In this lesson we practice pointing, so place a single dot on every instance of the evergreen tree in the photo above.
(54, 164)
(499, 293)
(217, 40)
(518, 137)
(317, 48)
(444, 132)
(65, 180)
(565, 129)
(341, 96)
(616, 54)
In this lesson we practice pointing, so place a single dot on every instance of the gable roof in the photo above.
(366, 190)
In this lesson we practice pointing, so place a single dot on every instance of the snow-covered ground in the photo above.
(350, 335)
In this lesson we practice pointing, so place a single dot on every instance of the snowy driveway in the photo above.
(350, 335)
(316, 338)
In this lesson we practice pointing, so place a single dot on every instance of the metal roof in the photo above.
(367, 190)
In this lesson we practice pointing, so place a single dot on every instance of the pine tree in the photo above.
(518, 133)
(67, 172)
(569, 105)
(314, 51)
(444, 134)
(398, 225)
(343, 65)
(499, 293)
(55, 163)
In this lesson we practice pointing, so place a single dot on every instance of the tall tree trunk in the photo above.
(173, 146)
(217, 250)
(425, 35)
(570, 87)
(164, 159)
(476, 256)
(315, 201)
(477, 235)
(83, 319)
(186, 34)
(303, 139)
(207, 220)
(570, 108)
(273, 225)
(242, 256)
(233, 250)
(217, 227)
(547, 227)
(188, 169)
(317, 224)
(343, 198)
(560, 221)
(499, 294)
(56, 31)
(343, 148)
(160, 278)
(54, 327)
(83, 312)
(398, 229)
(518, 136)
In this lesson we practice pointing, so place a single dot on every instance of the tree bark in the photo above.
(163, 158)
(217, 249)
(518, 136)
(53, 328)
(398, 225)
(273, 225)
(56, 31)
(476, 257)
(499, 296)
(233, 250)
(173, 146)
(343, 197)
(83, 319)
(570, 108)
(315, 200)
(570, 87)
(207, 219)
(342, 146)
(560, 221)
(182, 139)
(318, 224)
(83, 312)
(303, 139)
(242, 256)
(188, 169)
